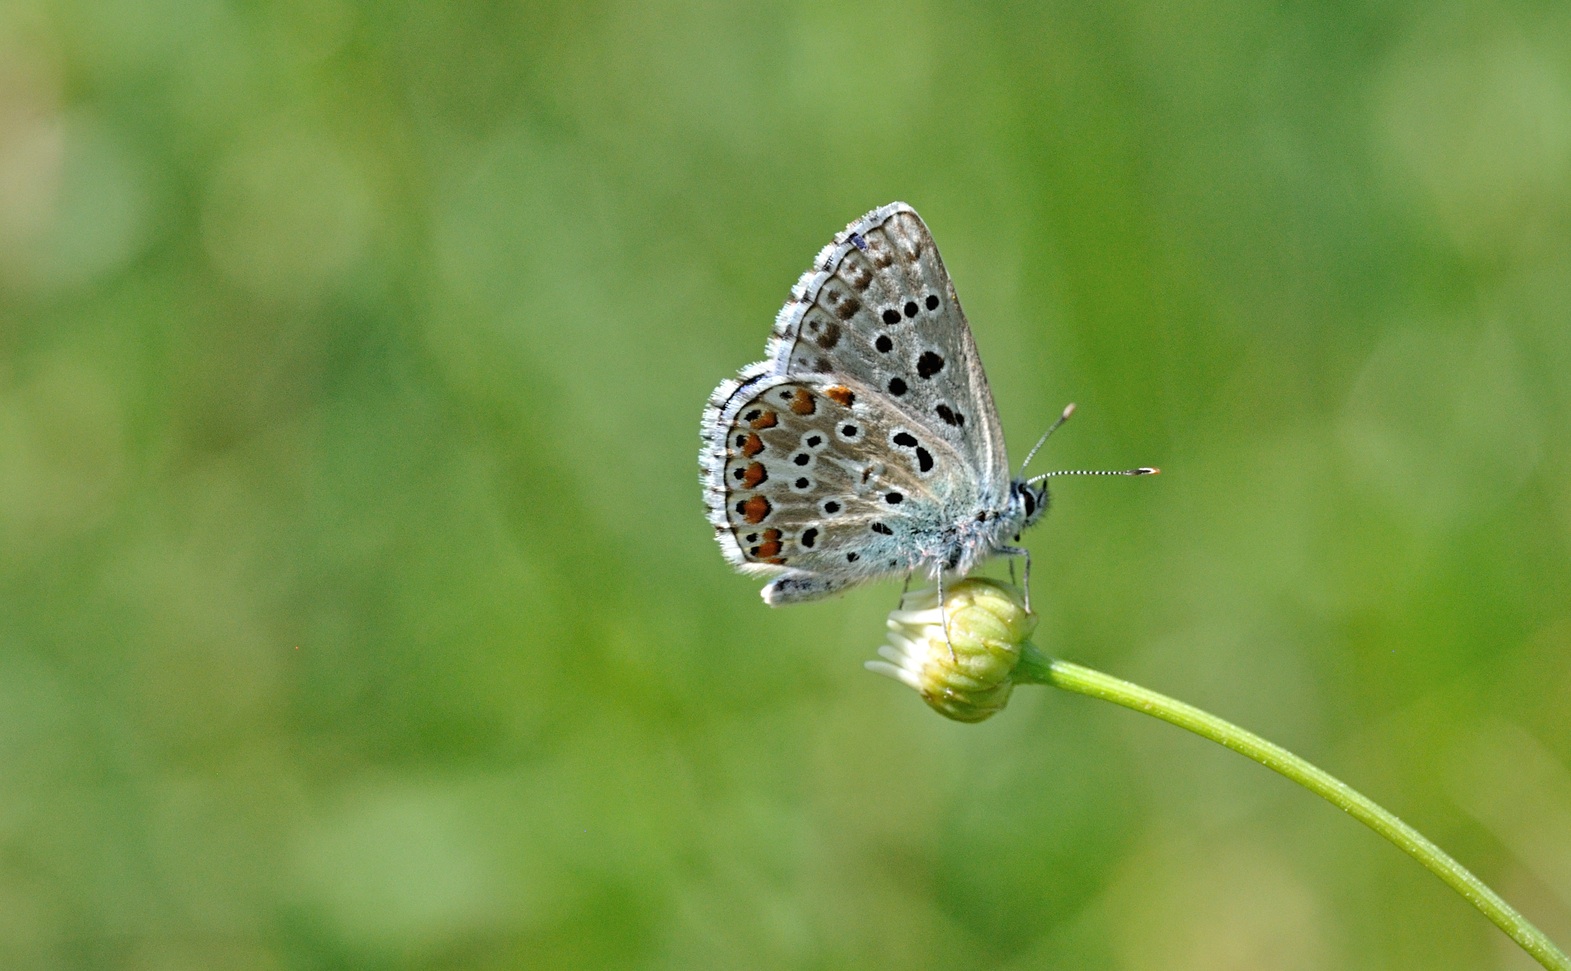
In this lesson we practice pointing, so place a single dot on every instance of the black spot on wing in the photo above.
(844, 305)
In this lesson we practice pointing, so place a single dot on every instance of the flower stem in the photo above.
(1039, 669)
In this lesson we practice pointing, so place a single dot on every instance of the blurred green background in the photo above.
(357, 608)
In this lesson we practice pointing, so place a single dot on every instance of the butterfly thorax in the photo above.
(970, 541)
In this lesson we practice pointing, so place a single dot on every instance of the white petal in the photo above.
(899, 674)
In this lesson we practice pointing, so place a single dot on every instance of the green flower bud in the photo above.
(966, 675)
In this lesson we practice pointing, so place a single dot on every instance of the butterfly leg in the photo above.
(1025, 554)
(943, 616)
(905, 588)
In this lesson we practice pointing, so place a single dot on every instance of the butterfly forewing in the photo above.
(878, 306)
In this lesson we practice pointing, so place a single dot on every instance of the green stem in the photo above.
(1039, 669)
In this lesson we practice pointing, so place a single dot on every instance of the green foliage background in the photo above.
(356, 604)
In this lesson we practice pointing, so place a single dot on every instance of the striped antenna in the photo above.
(1069, 409)
(1143, 470)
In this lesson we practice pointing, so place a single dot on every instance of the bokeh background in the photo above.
(357, 609)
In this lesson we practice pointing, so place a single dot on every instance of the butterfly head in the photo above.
(1027, 501)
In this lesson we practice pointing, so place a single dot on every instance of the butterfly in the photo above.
(867, 444)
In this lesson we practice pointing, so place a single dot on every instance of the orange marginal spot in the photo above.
(755, 509)
(840, 394)
(753, 445)
(754, 475)
(802, 402)
(769, 549)
(767, 420)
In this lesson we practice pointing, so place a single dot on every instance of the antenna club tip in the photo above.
(1069, 409)
(1148, 470)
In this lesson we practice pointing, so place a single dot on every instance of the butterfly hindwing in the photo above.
(823, 481)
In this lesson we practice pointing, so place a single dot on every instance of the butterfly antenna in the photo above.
(1143, 470)
(1069, 409)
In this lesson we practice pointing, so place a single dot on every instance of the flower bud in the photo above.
(966, 675)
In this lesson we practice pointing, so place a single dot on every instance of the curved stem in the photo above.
(1039, 669)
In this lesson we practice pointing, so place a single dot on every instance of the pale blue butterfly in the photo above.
(867, 444)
